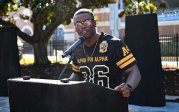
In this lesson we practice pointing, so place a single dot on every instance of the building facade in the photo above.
(107, 22)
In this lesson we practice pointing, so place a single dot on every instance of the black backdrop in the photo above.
(9, 58)
(142, 37)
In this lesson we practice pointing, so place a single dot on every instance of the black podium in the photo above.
(43, 95)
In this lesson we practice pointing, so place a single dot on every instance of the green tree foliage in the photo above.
(136, 7)
(48, 13)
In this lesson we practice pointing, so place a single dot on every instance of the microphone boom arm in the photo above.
(73, 47)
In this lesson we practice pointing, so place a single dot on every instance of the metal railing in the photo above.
(169, 45)
(169, 51)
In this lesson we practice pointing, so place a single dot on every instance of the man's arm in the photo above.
(134, 76)
(76, 77)
(132, 81)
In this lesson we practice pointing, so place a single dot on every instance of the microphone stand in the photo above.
(65, 80)
(70, 52)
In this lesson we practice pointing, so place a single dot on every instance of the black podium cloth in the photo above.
(9, 57)
(44, 95)
(142, 38)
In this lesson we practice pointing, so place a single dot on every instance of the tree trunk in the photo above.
(40, 53)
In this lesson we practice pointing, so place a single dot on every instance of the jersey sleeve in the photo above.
(75, 67)
(123, 55)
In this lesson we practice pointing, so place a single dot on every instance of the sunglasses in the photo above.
(86, 22)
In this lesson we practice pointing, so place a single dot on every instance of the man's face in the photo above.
(84, 25)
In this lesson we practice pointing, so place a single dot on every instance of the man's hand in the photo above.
(123, 89)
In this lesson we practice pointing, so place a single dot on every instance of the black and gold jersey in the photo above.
(104, 62)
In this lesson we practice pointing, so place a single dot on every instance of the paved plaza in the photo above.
(170, 107)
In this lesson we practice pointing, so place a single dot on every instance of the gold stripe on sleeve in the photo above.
(127, 63)
(74, 66)
(124, 59)
(76, 70)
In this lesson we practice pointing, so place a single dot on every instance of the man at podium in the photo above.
(102, 58)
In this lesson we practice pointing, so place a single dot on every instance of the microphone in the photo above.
(73, 47)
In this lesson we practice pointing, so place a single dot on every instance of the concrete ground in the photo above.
(4, 104)
(170, 107)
